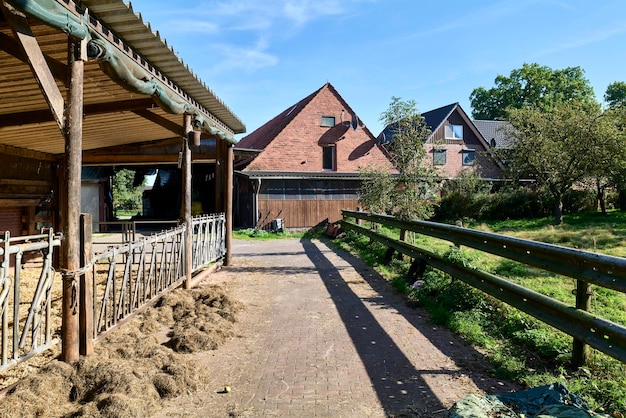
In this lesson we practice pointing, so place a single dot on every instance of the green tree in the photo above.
(127, 190)
(375, 191)
(614, 151)
(557, 148)
(607, 158)
(532, 85)
(615, 95)
(409, 195)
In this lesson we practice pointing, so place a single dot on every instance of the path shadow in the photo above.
(394, 378)
(380, 355)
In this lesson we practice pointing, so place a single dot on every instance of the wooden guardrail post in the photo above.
(580, 350)
(86, 316)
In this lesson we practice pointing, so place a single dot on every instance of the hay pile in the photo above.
(132, 371)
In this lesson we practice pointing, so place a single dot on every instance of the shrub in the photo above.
(522, 203)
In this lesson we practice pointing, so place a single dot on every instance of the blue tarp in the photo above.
(549, 401)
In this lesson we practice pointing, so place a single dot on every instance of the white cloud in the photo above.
(245, 59)
(192, 26)
(227, 26)
(271, 12)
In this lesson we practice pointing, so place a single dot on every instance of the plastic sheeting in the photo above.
(549, 401)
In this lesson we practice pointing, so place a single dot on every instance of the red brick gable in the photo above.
(294, 140)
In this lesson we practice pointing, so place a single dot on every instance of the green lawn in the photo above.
(520, 347)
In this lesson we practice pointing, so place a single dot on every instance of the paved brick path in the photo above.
(322, 335)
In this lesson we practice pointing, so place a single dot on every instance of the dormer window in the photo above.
(454, 132)
(328, 121)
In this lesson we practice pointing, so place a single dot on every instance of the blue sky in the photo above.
(261, 56)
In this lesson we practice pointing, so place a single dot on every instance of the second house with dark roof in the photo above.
(301, 168)
(455, 144)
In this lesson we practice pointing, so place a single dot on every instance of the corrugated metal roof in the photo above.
(113, 115)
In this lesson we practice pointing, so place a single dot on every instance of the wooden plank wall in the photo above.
(303, 213)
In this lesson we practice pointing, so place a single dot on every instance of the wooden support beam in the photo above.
(18, 203)
(228, 189)
(187, 199)
(220, 146)
(71, 254)
(134, 159)
(26, 153)
(39, 66)
(13, 48)
(86, 320)
(159, 120)
(41, 116)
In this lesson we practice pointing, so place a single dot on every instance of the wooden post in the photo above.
(228, 189)
(86, 287)
(580, 350)
(219, 175)
(187, 199)
(71, 204)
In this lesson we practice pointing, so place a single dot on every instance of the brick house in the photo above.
(456, 144)
(302, 167)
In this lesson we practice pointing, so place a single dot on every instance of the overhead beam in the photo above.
(13, 48)
(42, 116)
(134, 159)
(26, 153)
(159, 120)
(39, 66)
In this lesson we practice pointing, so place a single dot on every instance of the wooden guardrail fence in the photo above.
(586, 267)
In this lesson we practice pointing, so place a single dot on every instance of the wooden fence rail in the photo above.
(129, 276)
(28, 333)
(587, 268)
(114, 283)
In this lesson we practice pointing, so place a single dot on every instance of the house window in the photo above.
(328, 121)
(468, 156)
(328, 158)
(439, 157)
(454, 131)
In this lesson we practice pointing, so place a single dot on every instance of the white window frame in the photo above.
(454, 132)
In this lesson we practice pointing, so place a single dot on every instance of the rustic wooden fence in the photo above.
(127, 277)
(586, 267)
(114, 283)
(26, 333)
(209, 234)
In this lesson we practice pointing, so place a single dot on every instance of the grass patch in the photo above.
(261, 234)
(519, 347)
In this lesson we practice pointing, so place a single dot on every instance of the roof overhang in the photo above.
(118, 109)
(301, 175)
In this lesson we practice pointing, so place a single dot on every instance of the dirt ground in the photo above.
(291, 329)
